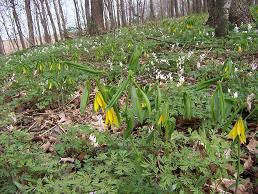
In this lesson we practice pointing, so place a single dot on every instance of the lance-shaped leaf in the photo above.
(206, 84)
(134, 60)
(85, 97)
(136, 104)
(83, 68)
(119, 92)
(158, 98)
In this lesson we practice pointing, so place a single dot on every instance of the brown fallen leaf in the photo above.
(53, 139)
(253, 146)
(248, 163)
(46, 146)
(66, 160)
(38, 138)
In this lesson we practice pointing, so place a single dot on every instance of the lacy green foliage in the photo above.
(123, 166)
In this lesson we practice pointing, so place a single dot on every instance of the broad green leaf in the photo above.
(206, 84)
(134, 60)
(119, 92)
(83, 68)
(136, 104)
(85, 97)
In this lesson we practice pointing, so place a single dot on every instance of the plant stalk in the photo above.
(238, 164)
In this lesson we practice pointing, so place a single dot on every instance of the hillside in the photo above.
(144, 109)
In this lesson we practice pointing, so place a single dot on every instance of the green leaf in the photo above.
(85, 97)
(134, 60)
(187, 105)
(119, 92)
(83, 68)
(206, 84)
(146, 100)
(136, 104)
(158, 99)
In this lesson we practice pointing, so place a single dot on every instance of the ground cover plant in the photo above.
(147, 109)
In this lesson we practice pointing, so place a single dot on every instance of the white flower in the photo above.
(229, 90)
(93, 140)
(198, 65)
(181, 81)
(249, 27)
(249, 101)
(235, 95)
(236, 29)
(253, 66)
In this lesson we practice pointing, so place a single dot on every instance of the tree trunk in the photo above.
(63, 19)
(51, 20)
(58, 20)
(239, 12)
(29, 23)
(38, 27)
(109, 6)
(152, 14)
(123, 12)
(78, 21)
(117, 13)
(176, 8)
(17, 23)
(2, 50)
(161, 9)
(97, 25)
(87, 10)
(221, 28)
(6, 30)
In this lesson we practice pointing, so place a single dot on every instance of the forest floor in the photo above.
(176, 91)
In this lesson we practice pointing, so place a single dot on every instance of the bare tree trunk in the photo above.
(51, 20)
(189, 11)
(222, 24)
(123, 12)
(97, 19)
(152, 14)
(239, 12)
(118, 13)
(29, 23)
(83, 15)
(63, 19)
(87, 10)
(7, 31)
(38, 27)
(130, 12)
(161, 9)
(42, 15)
(205, 5)
(109, 5)
(2, 50)
(17, 23)
(58, 20)
(176, 8)
(78, 21)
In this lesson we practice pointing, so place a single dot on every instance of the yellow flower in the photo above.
(59, 66)
(238, 130)
(24, 71)
(111, 118)
(239, 49)
(161, 120)
(99, 102)
(189, 26)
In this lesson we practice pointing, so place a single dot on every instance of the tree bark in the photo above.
(63, 19)
(123, 12)
(222, 21)
(58, 20)
(97, 25)
(2, 50)
(17, 23)
(78, 21)
(51, 20)
(152, 14)
(239, 13)
(29, 22)
(87, 10)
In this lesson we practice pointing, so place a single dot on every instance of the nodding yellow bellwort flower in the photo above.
(238, 130)
(99, 102)
(111, 118)
(189, 26)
